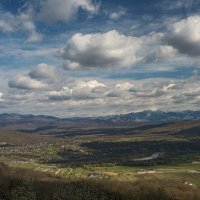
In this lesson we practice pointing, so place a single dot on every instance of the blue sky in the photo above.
(99, 57)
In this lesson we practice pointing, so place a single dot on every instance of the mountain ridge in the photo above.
(143, 116)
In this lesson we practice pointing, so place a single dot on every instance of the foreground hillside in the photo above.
(26, 184)
(100, 162)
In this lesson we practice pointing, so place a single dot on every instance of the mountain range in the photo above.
(138, 117)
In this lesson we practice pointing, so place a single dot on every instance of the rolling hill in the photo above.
(10, 137)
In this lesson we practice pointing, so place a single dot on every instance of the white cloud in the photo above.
(192, 93)
(118, 14)
(185, 36)
(120, 90)
(172, 86)
(101, 50)
(64, 10)
(160, 54)
(91, 84)
(42, 77)
(124, 86)
(188, 28)
(62, 95)
(80, 90)
(98, 97)
(154, 93)
(26, 83)
(88, 90)
(26, 23)
(42, 71)
(20, 23)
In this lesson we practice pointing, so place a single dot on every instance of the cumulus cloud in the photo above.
(26, 23)
(185, 36)
(160, 54)
(26, 83)
(88, 90)
(101, 50)
(172, 86)
(80, 90)
(20, 22)
(41, 77)
(120, 90)
(92, 97)
(64, 10)
(124, 86)
(42, 71)
(62, 95)
(112, 50)
(90, 84)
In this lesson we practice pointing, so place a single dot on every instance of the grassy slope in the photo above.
(18, 138)
(26, 184)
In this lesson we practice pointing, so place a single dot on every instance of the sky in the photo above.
(72, 58)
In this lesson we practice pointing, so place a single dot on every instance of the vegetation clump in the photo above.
(21, 184)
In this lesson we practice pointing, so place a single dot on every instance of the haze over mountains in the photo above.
(41, 122)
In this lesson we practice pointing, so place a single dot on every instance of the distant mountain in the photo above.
(156, 116)
(41, 122)
(17, 121)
